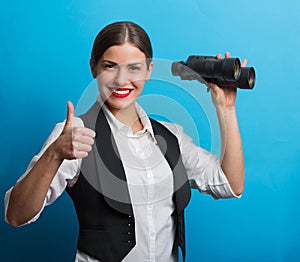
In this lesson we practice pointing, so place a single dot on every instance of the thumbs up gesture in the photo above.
(74, 142)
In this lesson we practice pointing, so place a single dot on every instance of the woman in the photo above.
(128, 176)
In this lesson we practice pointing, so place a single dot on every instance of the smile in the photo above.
(121, 92)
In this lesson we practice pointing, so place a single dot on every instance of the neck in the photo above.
(128, 116)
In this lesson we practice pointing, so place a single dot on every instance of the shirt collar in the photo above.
(117, 126)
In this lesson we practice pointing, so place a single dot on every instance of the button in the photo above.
(129, 216)
(129, 241)
(152, 234)
(129, 225)
(128, 233)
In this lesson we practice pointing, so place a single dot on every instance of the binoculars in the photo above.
(226, 72)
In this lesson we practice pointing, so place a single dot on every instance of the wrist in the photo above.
(226, 110)
(52, 154)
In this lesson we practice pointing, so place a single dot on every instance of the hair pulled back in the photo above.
(119, 33)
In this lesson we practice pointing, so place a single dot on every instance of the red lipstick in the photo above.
(121, 92)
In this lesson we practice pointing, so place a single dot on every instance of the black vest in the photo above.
(101, 197)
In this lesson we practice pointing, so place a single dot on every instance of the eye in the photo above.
(109, 67)
(134, 68)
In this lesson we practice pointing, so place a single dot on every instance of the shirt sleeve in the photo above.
(203, 168)
(66, 174)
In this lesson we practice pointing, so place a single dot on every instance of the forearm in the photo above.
(232, 158)
(28, 195)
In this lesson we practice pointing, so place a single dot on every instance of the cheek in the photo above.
(138, 83)
(104, 81)
(106, 78)
(102, 87)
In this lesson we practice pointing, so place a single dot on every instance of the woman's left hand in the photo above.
(224, 97)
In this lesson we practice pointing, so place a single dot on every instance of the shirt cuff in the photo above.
(223, 191)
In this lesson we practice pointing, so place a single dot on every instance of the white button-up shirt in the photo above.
(150, 183)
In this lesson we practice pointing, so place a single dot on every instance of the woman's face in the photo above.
(121, 73)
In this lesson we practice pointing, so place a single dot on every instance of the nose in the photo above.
(122, 77)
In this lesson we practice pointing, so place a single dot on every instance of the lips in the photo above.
(121, 92)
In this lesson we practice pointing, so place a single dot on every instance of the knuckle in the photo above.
(73, 145)
(76, 129)
(77, 137)
(73, 153)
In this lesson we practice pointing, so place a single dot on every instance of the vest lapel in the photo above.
(169, 146)
(111, 179)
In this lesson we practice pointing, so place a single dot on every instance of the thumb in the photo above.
(244, 63)
(70, 115)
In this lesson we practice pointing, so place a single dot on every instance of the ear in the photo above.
(93, 68)
(149, 72)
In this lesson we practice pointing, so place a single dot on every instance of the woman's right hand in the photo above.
(28, 195)
(73, 142)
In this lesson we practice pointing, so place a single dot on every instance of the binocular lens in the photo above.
(251, 77)
(236, 69)
(247, 78)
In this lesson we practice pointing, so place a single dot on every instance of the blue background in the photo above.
(44, 54)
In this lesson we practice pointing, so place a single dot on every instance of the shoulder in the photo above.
(185, 141)
(175, 129)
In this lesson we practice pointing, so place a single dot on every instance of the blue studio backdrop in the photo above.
(44, 62)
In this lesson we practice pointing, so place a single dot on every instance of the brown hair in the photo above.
(119, 33)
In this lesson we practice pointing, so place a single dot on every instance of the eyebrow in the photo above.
(114, 63)
(108, 61)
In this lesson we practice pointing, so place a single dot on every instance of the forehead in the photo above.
(123, 54)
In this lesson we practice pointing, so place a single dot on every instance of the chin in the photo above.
(118, 105)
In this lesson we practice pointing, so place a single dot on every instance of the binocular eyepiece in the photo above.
(226, 72)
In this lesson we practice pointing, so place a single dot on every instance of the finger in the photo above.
(87, 140)
(213, 87)
(227, 54)
(80, 154)
(83, 139)
(84, 131)
(244, 63)
(81, 147)
(70, 115)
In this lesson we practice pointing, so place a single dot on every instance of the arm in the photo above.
(232, 159)
(28, 195)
